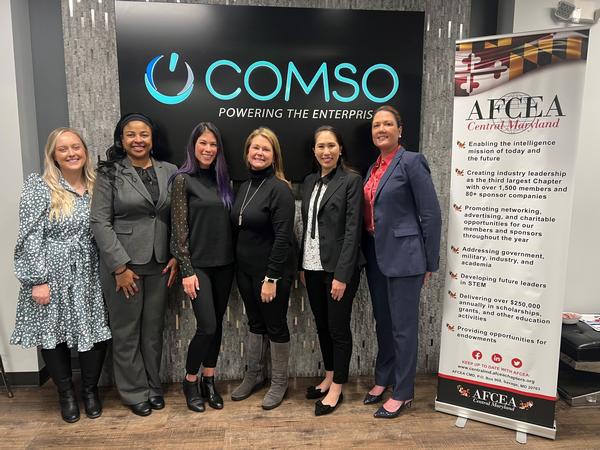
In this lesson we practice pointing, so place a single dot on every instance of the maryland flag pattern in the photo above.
(482, 65)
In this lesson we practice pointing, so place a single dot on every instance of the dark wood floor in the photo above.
(31, 420)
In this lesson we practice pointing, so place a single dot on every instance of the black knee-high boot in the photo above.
(91, 363)
(58, 363)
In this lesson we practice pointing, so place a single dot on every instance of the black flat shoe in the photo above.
(313, 393)
(157, 402)
(371, 399)
(141, 409)
(383, 413)
(209, 392)
(322, 410)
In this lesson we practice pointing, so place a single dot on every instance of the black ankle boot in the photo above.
(209, 392)
(192, 396)
(69, 409)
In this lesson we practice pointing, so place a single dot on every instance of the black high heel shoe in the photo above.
(322, 410)
(209, 392)
(371, 399)
(383, 413)
(313, 393)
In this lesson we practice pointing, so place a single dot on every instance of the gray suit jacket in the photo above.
(128, 227)
(408, 219)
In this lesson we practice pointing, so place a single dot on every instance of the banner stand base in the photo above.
(461, 422)
(522, 428)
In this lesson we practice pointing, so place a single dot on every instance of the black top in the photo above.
(201, 231)
(148, 177)
(265, 239)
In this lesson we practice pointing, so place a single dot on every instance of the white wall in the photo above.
(16, 94)
(583, 266)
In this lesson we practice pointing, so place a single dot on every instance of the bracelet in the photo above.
(122, 271)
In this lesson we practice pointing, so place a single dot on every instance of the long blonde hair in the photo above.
(61, 200)
(270, 136)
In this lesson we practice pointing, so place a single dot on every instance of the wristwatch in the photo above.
(270, 280)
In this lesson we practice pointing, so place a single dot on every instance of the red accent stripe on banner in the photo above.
(514, 391)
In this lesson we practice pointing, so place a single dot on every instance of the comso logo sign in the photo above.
(286, 80)
(151, 85)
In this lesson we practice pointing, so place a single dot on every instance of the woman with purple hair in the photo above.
(202, 243)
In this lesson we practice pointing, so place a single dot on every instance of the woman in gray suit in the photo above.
(130, 219)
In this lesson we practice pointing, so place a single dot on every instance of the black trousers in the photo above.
(332, 318)
(265, 318)
(209, 308)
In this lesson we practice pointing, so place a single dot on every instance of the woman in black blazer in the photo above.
(331, 213)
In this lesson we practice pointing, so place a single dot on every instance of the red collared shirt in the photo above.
(370, 188)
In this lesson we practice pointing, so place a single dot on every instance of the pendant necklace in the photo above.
(245, 203)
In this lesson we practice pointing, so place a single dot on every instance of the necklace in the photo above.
(246, 203)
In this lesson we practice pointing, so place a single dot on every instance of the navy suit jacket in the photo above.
(408, 219)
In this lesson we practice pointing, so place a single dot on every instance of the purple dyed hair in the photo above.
(219, 165)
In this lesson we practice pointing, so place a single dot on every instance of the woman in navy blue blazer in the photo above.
(402, 244)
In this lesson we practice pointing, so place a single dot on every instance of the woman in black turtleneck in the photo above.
(263, 218)
(203, 245)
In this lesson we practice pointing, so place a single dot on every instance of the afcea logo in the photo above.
(345, 73)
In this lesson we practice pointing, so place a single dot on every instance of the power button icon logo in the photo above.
(183, 94)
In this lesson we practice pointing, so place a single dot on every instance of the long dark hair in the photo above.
(116, 152)
(219, 165)
(338, 137)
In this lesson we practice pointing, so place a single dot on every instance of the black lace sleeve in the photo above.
(180, 235)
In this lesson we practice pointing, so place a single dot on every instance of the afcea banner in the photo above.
(516, 119)
(291, 69)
